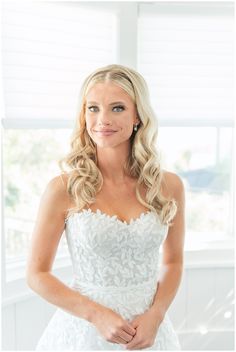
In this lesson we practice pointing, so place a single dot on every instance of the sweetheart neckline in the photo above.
(115, 217)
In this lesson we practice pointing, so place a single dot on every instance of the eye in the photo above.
(91, 107)
(119, 107)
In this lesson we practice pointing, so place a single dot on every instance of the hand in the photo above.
(113, 327)
(146, 326)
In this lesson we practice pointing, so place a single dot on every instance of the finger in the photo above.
(119, 340)
(126, 337)
(132, 344)
(129, 329)
(134, 323)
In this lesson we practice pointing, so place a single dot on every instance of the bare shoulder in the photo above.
(56, 191)
(49, 226)
(173, 185)
(57, 185)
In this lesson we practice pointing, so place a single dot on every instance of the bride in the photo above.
(117, 207)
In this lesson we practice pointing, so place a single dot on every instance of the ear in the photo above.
(137, 120)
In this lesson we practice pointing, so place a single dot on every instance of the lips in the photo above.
(106, 131)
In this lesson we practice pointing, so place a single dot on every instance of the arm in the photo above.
(48, 229)
(172, 262)
(47, 232)
(147, 324)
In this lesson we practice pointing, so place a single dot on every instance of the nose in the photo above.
(104, 119)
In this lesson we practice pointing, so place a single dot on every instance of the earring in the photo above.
(135, 128)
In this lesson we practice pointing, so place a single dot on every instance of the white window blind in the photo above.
(185, 52)
(48, 49)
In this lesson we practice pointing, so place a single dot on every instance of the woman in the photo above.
(117, 207)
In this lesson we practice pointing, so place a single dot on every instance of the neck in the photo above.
(111, 164)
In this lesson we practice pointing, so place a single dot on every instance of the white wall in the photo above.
(203, 299)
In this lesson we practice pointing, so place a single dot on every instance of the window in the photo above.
(185, 52)
(202, 156)
(29, 163)
(48, 50)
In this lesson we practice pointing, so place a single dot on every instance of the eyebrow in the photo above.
(115, 102)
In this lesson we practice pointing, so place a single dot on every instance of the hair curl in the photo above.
(143, 162)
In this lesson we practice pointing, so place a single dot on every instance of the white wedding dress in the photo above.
(115, 263)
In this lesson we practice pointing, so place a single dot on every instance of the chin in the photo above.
(106, 145)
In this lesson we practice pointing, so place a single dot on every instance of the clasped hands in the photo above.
(146, 326)
(115, 329)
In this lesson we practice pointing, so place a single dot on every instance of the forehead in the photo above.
(104, 92)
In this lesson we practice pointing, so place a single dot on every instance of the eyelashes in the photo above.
(115, 107)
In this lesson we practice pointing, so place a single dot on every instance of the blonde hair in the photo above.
(143, 162)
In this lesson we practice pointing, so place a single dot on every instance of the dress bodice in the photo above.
(108, 252)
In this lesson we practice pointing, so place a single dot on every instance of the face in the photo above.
(110, 115)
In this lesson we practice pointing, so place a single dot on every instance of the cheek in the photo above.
(127, 127)
(126, 131)
(89, 122)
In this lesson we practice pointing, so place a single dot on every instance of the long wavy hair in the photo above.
(143, 163)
